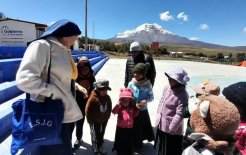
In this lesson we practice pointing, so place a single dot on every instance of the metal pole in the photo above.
(86, 40)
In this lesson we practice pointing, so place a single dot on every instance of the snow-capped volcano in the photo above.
(150, 28)
(148, 33)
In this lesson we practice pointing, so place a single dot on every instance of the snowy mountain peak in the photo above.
(149, 28)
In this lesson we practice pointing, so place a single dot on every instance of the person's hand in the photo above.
(119, 105)
(139, 106)
(82, 90)
(171, 132)
(143, 102)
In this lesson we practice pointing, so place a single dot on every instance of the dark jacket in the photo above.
(141, 58)
(85, 81)
(98, 108)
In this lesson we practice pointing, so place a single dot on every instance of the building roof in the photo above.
(38, 25)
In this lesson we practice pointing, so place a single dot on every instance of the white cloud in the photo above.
(182, 16)
(244, 29)
(194, 38)
(165, 16)
(204, 27)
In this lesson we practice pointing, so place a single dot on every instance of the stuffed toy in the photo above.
(214, 121)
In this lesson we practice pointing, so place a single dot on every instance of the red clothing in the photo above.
(125, 115)
(241, 138)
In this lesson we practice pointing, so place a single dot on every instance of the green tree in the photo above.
(202, 55)
(123, 48)
(220, 56)
(240, 56)
(2, 15)
(146, 47)
(163, 50)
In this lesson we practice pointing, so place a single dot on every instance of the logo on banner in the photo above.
(6, 31)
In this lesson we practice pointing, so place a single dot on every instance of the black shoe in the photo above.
(138, 148)
(74, 151)
(77, 144)
(103, 151)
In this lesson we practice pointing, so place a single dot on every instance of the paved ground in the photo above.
(114, 72)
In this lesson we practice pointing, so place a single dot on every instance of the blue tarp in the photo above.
(8, 52)
(8, 69)
(8, 90)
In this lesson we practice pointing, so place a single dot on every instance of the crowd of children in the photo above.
(133, 123)
(133, 120)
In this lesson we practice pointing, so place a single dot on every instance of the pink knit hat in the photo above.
(126, 93)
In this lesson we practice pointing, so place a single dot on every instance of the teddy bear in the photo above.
(214, 121)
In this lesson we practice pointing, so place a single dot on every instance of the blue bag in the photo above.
(36, 123)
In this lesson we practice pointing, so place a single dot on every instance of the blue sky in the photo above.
(214, 21)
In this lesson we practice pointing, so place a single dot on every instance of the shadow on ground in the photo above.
(108, 145)
(87, 149)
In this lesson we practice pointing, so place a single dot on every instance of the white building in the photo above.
(92, 47)
(176, 54)
(14, 32)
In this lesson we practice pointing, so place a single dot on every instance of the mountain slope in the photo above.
(148, 33)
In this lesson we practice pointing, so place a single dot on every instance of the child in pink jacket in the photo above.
(126, 111)
(169, 120)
